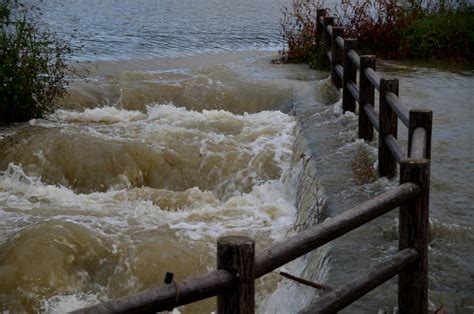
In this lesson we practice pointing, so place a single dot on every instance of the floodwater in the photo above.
(184, 132)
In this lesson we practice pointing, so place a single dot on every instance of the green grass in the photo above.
(318, 60)
(440, 36)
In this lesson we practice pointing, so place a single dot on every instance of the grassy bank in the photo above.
(444, 36)
(389, 29)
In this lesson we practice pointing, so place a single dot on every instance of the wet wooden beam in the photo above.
(366, 99)
(236, 254)
(372, 116)
(341, 297)
(420, 118)
(388, 123)
(373, 77)
(329, 55)
(340, 42)
(336, 74)
(320, 14)
(164, 298)
(395, 149)
(306, 282)
(418, 144)
(221, 281)
(328, 21)
(352, 88)
(354, 56)
(339, 70)
(281, 253)
(349, 76)
(413, 233)
(400, 108)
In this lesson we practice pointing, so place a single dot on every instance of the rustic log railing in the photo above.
(237, 263)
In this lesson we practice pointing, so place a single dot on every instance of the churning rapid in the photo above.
(185, 132)
(100, 202)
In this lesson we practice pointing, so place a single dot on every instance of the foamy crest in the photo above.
(122, 221)
(67, 303)
(167, 147)
(129, 193)
(105, 115)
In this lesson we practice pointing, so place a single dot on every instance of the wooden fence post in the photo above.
(319, 26)
(350, 75)
(413, 232)
(366, 97)
(328, 20)
(424, 119)
(237, 255)
(336, 56)
(388, 124)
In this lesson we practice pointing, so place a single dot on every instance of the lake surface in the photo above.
(178, 136)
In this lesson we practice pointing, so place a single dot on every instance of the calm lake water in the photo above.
(177, 137)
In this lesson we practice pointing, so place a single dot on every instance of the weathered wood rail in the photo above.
(238, 265)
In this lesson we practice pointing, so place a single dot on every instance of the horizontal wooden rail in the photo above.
(341, 297)
(219, 281)
(354, 57)
(418, 144)
(400, 108)
(394, 147)
(329, 55)
(329, 29)
(420, 118)
(354, 90)
(340, 42)
(372, 115)
(339, 70)
(164, 298)
(373, 77)
(312, 238)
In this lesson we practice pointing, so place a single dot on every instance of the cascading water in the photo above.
(100, 202)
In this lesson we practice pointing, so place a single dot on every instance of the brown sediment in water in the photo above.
(114, 197)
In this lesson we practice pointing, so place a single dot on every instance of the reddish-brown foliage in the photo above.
(390, 29)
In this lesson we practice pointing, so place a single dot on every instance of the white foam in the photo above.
(68, 303)
(97, 115)
(266, 212)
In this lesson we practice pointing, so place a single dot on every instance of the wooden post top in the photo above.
(414, 162)
(235, 240)
(425, 111)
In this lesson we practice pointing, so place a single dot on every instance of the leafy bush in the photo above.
(375, 24)
(33, 64)
(440, 36)
(299, 32)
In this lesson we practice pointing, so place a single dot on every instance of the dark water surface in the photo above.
(177, 138)
(125, 29)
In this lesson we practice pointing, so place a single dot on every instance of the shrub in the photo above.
(33, 64)
(298, 30)
(361, 165)
(437, 36)
(375, 24)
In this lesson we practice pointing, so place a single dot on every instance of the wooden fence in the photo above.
(238, 265)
